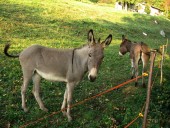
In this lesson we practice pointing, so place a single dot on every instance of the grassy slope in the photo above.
(64, 24)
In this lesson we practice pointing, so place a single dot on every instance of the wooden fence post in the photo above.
(153, 55)
(162, 60)
(166, 46)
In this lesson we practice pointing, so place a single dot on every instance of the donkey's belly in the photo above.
(51, 76)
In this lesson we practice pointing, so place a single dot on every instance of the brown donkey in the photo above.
(138, 51)
(67, 65)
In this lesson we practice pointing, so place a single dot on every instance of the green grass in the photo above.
(64, 24)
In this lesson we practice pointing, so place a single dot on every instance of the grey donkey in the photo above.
(67, 65)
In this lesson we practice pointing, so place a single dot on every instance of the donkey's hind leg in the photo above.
(27, 74)
(132, 69)
(36, 90)
(63, 107)
(145, 59)
(136, 70)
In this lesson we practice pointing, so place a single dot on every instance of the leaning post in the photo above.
(153, 55)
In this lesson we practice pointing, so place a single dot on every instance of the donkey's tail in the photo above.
(156, 50)
(147, 51)
(7, 46)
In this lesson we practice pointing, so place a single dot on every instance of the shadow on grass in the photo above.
(28, 22)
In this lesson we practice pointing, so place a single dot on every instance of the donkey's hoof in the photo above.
(69, 118)
(25, 109)
(44, 109)
(64, 113)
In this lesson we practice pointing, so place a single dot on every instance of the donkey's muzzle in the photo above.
(92, 78)
(92, 74)
(120, 53)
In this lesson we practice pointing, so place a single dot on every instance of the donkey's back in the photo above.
(50, 63)
(139, 50)
(44, 54)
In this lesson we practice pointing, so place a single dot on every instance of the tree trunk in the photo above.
(126, 6)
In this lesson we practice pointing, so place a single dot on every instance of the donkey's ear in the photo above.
(91, 39)
(123, 37)
(107, 41)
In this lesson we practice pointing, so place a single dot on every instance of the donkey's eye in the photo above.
(89, 54)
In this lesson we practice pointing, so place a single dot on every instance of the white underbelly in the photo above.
(51, 77)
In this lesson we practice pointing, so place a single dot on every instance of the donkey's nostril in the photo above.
(92, 78)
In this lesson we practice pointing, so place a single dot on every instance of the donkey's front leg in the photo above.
(70, 88)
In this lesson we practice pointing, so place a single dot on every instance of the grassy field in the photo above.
(64, 24)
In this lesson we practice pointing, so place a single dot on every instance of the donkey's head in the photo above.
(124, 46)
(95, 54)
